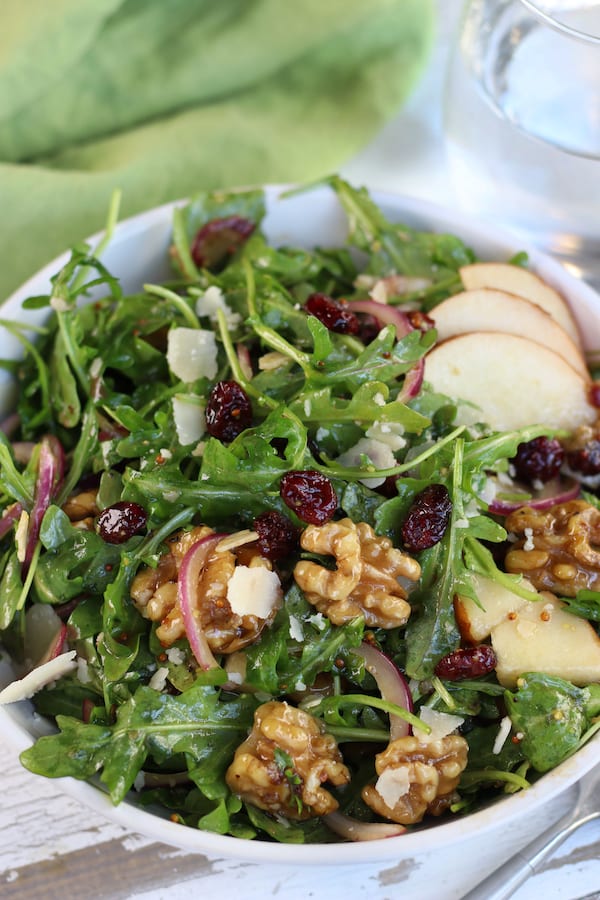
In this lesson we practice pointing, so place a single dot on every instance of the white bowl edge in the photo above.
(297, 224)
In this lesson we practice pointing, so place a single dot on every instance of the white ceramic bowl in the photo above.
(137, 254)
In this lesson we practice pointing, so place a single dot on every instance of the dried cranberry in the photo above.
(117, 523)
(220, 238)
(369, 327)
(470, 662)
(334, 314)
(277, 535)
(586, 460)
(228, 411)
(594, 393)
(389, 488)
(310, 495)
(427, 519)
(538, 460)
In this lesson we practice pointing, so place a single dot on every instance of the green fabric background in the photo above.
(164, 97)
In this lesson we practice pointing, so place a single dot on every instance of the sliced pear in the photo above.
(486, 309)
(475, 623)
(512, 380)
(516, 280)
(544, 637)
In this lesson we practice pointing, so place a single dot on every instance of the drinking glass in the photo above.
(522, 122)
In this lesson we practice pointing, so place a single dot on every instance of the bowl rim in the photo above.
(416, 843)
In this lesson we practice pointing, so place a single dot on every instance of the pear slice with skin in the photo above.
(475, 622)
(542, 636)
(486, 309)
(523, 283)
(513, 381)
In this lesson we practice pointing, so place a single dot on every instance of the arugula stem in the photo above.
(153, 541)
(71, 351)
(180, 240)
(250, 287)
(236, 368)
(356, 473)
(11, 477)
(365, 700)
(29, 578)
(441, 693)
(277, 342)
(109, 228)
(188, 314)
(42, 369)
(372, 735)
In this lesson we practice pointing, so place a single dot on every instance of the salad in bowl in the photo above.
(299, 537)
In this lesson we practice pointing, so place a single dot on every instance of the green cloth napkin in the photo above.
(164, 97)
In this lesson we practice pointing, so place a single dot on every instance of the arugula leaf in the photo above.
(550, 713)
(395, 248)
(254, 457)
(278, 663)
(149, 724)
(77, 561)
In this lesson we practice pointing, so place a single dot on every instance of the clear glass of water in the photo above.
(522, 122)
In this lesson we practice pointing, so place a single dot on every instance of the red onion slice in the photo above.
(355, 830)
(392, 685)
(385, 314)
(391, 315)
(243, 355)
(9, 518)
(559, 490)
(187, 591)
(413, 382)
(51, 468)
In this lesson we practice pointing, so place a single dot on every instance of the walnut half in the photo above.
(283, 764)
(154, 593)
(365, 581)
(558, 548)
(416, 778)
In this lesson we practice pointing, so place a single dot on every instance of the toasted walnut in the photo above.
(154, 593)
(416, 778)
(560, 547)
(82, 509)
(365, 582)
(282, 765)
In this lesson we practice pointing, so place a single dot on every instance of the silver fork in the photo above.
(504, 881)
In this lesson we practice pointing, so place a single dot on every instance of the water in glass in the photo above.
(522, 120)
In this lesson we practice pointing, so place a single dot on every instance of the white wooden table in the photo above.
(52, 847)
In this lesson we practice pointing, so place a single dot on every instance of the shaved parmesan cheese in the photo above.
(379, 454)
(296, 631)
(378, 292)
(393, 784)
(38, 678)
(211, 301)
(189, 418)
(192, 353)
(441, 724)
(253, 591)
(503, 733)
(159, 679)
(390, 433)
(83, 672)
(21, 535)
(272, 360)
(175, 655)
